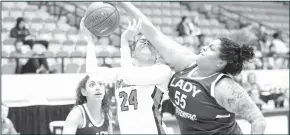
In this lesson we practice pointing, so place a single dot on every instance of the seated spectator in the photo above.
(181, 29)
(20, 32)
(265, 42)
(201, 41)
(278, 95)
(275, 60)
(17, 53)
(7, 125)
(253, 88)
(186, 27)
(281, 47)
(37, 65)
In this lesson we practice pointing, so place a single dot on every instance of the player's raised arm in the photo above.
(107, 74)
(178, 56)
(129, 33)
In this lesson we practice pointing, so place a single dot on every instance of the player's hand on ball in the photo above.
(132, 30)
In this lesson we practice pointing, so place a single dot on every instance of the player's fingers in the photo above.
(129, 25)
(134, 24)
(82, 23)
(138, 24)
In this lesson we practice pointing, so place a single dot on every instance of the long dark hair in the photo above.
(235, 55)
(18, 21)
(81, 99)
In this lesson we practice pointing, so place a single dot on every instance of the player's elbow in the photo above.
(260, 123)
(261, 120)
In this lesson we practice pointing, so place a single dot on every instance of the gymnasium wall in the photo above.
(58, 89)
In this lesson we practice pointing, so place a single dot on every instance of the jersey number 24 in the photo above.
(132, 100)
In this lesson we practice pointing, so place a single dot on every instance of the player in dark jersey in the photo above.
(202, 90)
(91, 114)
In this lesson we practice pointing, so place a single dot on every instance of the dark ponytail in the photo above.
(235, 55)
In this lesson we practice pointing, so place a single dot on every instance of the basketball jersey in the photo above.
(89, 125)
(197, 111)
(139, 108)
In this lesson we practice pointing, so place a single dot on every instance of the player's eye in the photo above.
(92, 84)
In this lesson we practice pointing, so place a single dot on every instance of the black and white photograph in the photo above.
(144, 67)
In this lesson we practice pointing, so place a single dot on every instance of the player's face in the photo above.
(209, 55)
(95, 90)
(144, 51)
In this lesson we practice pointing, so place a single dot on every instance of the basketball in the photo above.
(102, 19)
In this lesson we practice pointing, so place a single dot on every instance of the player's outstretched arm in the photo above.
(235, 99)
(178, 56)
(107, 74)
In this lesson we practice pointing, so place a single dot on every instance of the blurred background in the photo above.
(41, 47)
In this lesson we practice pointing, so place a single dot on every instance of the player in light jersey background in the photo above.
(140, 84)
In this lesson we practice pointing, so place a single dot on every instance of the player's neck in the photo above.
(205, 73)
(95, 109)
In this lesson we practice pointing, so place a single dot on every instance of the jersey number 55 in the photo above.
(180, 99)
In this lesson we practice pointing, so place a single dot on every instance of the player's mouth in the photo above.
(98, 94)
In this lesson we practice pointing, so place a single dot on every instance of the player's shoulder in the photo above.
(226, 87)
(75, 116)
(161, 65)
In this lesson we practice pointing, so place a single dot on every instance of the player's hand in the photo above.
(132, 30)
(85, 32)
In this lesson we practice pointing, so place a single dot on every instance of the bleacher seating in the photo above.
(274, 14)
(66, 41)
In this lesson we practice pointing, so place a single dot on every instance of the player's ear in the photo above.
(221, 63)
(84, 92)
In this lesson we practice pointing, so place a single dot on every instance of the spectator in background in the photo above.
(278, 97)
(265, 42)
(7, 125)
(37, 65)
(181, 29)
(18, 53)
(281, 47)
(186, 27)
(201, 41)
(20, 32)
(253, 89)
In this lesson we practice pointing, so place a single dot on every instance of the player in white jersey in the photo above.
(140, 92)
(140, 84)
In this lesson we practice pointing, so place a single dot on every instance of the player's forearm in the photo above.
(175, 54)
(126, 60)
(91, 58)
(258, 126)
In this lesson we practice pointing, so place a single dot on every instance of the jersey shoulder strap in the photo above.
(81, 107)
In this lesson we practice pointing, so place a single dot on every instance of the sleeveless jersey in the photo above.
(139, 108)
(197, 111)
(89, 125)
